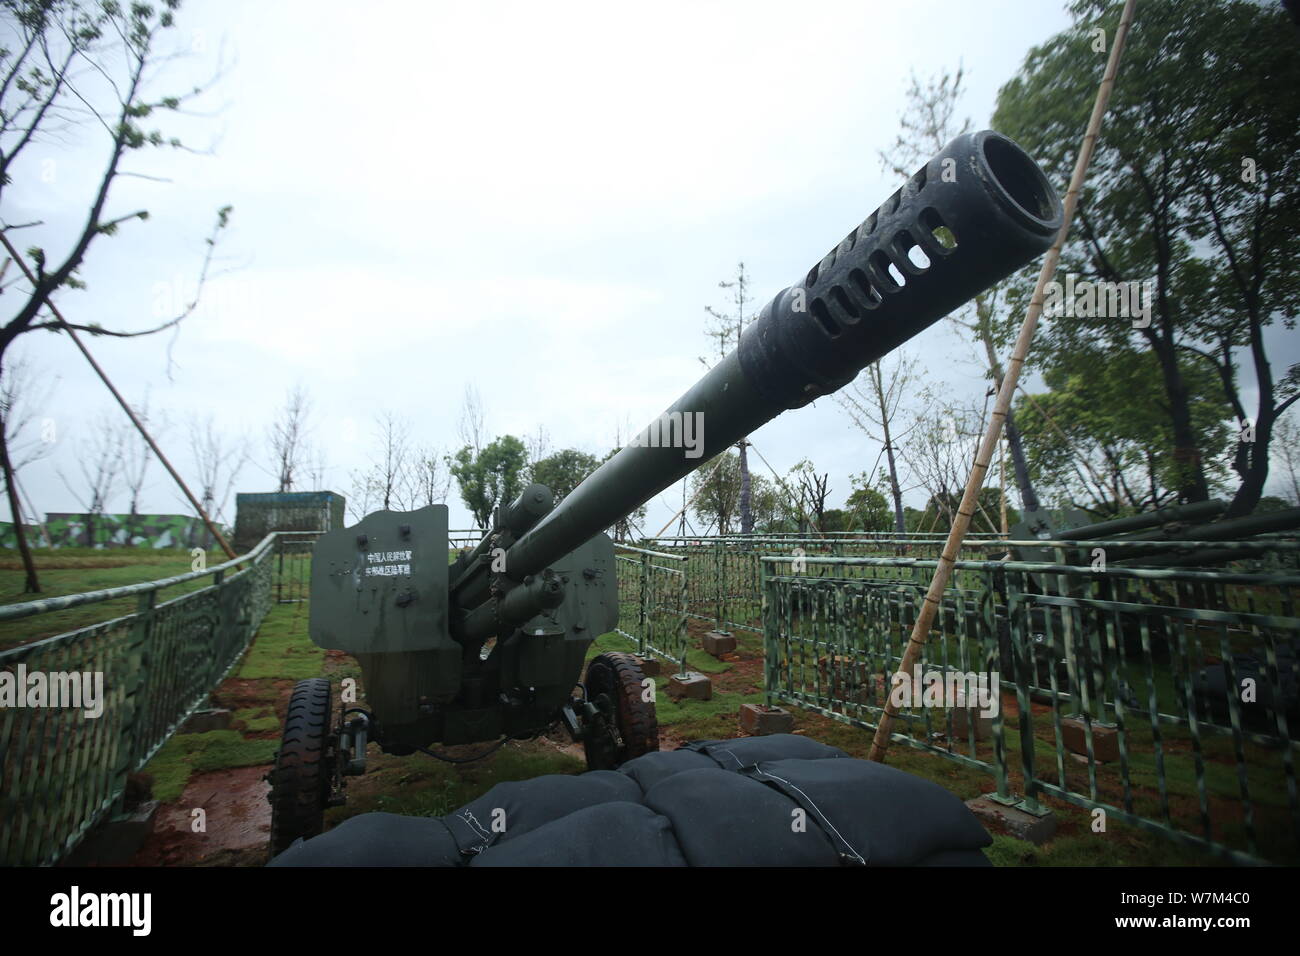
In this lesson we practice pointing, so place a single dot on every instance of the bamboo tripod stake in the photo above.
(951, 548)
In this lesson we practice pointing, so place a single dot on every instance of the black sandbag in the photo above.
(889, 817)
(747, 751)
(521, 806)
(610, 834)
(377, 839)
(653, 767)
(723, 818)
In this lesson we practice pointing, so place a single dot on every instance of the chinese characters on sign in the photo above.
(388, 563)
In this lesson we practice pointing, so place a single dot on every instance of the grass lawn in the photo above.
(74, 570)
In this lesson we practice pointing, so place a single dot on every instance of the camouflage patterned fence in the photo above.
(88, 707)
(725, 576)
(1168, 699)
(652, 592)
(111, 531)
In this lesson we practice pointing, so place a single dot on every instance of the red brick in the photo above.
(758, 720)
(1105, 740)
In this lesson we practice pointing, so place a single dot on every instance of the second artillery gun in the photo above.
(490, 646)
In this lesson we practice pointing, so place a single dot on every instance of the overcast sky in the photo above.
(536, 198)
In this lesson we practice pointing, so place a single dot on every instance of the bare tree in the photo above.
(726, 330)
(429, 479)
(941, 451)
(813, 491)
(100, 462)
(397, 479)
(20, 397)
(391, 469)
(538, 444)
(136, 456)
(873, 401)
(288, 439)
(1287, 449)
(218, 459)
(470, 426)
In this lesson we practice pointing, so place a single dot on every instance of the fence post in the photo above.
(645, 587)
(769, 640)
(717, 585)
(135, 700)
(682, 634)
(1022, 644)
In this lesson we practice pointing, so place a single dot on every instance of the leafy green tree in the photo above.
(1099, 438)
(1195, 186)
(490, 477)
(868, 508)
(716, 492)
(836, 519)
(564, 470)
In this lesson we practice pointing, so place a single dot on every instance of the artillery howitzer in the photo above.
(490, 647)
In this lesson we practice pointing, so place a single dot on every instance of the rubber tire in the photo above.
(620, 677)
(300, 781)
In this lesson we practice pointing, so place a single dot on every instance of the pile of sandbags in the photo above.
(781, 800)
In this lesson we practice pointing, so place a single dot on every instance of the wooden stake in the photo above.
(961, 522)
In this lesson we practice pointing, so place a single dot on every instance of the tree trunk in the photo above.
(746, 517)
(895, 492)
(1028, 497)
(31, 584)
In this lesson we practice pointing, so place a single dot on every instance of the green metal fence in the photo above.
(63, 770)
(652, 595)
(724, 573)
(1169, 699)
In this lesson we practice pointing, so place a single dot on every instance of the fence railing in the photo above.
(1169, 699)
(95, 704)
(724, 572)
(652, 595)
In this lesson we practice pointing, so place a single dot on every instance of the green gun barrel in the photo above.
(972, 215)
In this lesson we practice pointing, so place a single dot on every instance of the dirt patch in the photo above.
(239, 693)
(236, 818)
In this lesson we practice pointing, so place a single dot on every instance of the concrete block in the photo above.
(1012, 820)
(718, 643)
(692, 685)
(758, 720)
(115, 842)
(650, 666)
(201, 721)
(1105, 739)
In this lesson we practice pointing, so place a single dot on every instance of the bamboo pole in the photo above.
(67, 327)
(942, 573)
